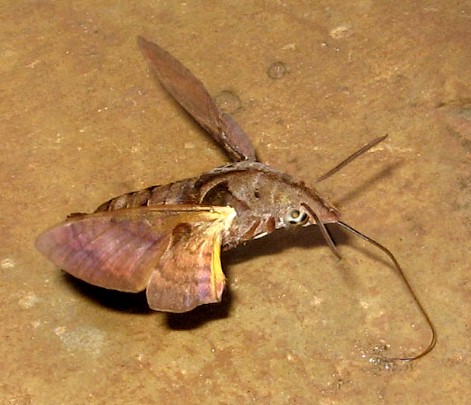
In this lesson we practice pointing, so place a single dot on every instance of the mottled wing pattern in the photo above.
(191, 94)
(128, 249)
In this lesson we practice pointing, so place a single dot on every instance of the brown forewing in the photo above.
(191, 94)
(174, 249)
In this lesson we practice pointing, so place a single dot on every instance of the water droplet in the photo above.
(277, 70)
(228, 101)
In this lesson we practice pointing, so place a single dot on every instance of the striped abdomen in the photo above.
(180, 192)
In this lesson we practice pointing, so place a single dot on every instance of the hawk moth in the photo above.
(167, 239)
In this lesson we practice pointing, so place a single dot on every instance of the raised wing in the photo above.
(191, 94)
(173, 251)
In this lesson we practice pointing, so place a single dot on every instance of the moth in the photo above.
(167, 239)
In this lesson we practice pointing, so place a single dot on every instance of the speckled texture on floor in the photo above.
(82, 121)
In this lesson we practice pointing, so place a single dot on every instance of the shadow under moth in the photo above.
(167, 239)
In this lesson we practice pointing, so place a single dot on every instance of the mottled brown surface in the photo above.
(82, 122)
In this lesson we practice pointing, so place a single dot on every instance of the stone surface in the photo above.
(82, 121)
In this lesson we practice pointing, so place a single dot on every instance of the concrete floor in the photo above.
(82, 121)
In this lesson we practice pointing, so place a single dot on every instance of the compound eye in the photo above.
(295, 217)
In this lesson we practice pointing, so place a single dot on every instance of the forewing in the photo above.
(191, 94)
(189, 273)
(171, 250)
(115, 250)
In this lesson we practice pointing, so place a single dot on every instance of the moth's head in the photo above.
(305, 207)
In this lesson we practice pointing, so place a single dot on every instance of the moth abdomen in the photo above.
(132, 199)
(180, 192)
